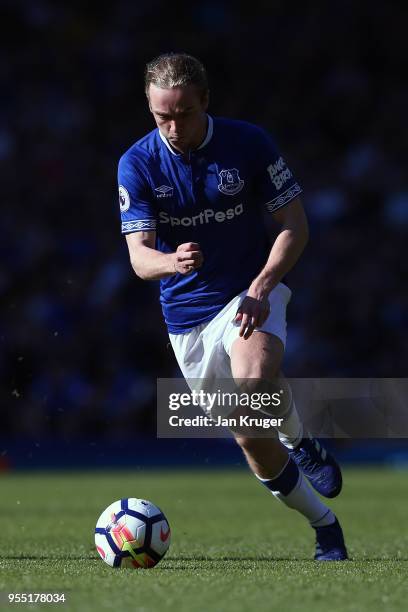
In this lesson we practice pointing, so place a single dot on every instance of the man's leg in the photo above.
(255, 360)
(259, 359)
(270, 462)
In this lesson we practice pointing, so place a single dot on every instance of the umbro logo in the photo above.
(164, 191)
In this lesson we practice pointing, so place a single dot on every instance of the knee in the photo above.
(255, 369)
(260, 366)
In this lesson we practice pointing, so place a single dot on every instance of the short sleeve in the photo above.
(276, 184)
(135, 202)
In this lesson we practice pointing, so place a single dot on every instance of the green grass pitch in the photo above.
(233, 546)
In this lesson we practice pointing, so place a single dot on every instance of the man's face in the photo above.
(179, 113)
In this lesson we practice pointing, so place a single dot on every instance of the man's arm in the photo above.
(286, 249)
(285, 252)
(151, 264)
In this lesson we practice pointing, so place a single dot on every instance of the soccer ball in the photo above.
(132, 533)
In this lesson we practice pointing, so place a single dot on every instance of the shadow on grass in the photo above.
(175, 562)
(48, 558)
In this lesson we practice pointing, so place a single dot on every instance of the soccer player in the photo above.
(192, 196)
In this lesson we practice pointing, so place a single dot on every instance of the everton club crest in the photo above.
(230, 182)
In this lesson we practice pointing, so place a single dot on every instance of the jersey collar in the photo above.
(206, 140)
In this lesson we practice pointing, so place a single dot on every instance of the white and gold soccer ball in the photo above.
(132, 533)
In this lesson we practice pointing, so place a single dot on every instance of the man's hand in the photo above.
(188, 258)
(252, 313)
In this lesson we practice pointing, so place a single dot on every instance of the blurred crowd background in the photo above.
(81, 338)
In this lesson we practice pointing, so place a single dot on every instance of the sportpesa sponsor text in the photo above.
(206, 216)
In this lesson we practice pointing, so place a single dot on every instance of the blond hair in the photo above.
(176, 70)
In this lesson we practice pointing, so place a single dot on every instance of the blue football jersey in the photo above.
(216, 198)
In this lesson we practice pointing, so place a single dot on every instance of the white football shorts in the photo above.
(204, 352)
